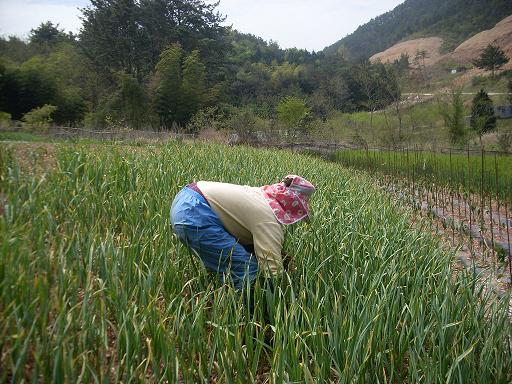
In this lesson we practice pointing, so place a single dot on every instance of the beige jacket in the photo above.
(247, 216)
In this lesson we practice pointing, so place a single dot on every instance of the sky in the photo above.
(309, 24)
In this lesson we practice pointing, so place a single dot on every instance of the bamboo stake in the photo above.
(508, 240)
(470, 219)
(497, 192)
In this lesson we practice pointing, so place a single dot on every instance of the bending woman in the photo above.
(237, 230)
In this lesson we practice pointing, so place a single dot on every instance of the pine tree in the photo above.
(482, 119)
(47, 35)
(491, 58)
(454, 118)
(129, 35)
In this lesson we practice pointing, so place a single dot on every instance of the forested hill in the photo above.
(171, 64)
(453, 20)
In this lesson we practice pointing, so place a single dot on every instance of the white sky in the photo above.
(310, 24)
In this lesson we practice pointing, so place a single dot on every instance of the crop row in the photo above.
(477, 172)
(95, 287)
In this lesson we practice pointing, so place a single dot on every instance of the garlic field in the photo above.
(94, 286)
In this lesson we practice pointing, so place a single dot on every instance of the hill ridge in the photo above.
(468, 50)
(452, 20)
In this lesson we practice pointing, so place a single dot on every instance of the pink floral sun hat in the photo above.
(289, 198)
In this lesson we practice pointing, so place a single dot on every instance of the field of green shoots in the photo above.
(460, 171)
(94, 287)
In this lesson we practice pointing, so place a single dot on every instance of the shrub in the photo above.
(243, 124)
(5, 119)
(210, 119)
(210, 134)
(478, 81)
(293, 112)
(39, 117)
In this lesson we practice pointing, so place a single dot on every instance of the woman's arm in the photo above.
(268, 241)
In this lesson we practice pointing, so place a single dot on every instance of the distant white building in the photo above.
(459, 69)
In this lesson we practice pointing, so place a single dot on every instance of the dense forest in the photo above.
(453, 20)
(171, 64)
(157, 63)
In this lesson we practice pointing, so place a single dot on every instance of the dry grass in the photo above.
(32, 158)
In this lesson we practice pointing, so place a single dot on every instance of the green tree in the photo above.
(491, 58)
(193, 86)
(250, 81)
(168, 92)
(453, 117)
(419, 62)
(390, 92)
(133, 100)
(112, 38)
(60, 77)
(370, 84)
(293, 112)
(402, 65)
(482, 119)
(129, 35)
(25, 88)
(48, 35)
(15, 50)
(71, 73)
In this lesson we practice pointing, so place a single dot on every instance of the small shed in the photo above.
(503, 111)
(458, 69)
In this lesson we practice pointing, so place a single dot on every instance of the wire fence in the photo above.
(61, 132)
(467, 192)
(473, 171)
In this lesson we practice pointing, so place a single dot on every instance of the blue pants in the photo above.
(199, 228)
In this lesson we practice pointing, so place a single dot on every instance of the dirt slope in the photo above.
(429, 44)
(501, 35)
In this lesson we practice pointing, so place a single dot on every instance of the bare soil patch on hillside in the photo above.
(410, 47)
(464, 54)
(500, 35)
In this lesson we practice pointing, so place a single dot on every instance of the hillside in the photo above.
(431, 45)
(452, 20)
(500, 34)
